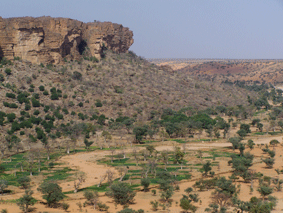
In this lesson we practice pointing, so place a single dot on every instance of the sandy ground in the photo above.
(86, 162)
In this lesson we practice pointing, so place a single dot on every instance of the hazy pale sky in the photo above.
(177, 28)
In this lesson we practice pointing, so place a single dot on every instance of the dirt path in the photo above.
(87, 163)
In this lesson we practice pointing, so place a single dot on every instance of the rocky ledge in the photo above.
(51, 40)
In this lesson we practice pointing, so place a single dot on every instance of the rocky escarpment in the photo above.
(50, 40)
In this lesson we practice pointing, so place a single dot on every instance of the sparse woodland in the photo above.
(124, 135)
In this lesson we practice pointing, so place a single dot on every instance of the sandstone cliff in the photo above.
(50, 40)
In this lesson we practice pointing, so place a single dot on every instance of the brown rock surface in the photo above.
(50, 40)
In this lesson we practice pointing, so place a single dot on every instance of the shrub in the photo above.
(81, 104)
(98, 103)
(27, 107)
(81, 116)
(54, 96)
(65, 110)
(11, 117)
(5, 61)
(71, 104)
(41, 88)
(127, 210)
(32, 138)
(65, 206)
(22, 132)
(22, 97)
(12, 105)
(65, 96)
(36, 112)
(102, 207)
(46, 108)
(36, 95)
(35, 103)
(2, 78)
(10, 95)
(45, 92)
(118, 89)
(77, 75)
(8, 71)
(269, 162)
(2, 168)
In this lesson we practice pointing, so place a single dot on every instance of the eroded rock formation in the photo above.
(50, 40)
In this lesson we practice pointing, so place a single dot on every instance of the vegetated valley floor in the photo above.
(61, 107)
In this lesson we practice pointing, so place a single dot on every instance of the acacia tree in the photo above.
(224, 191)
(206, 168)
(178, 156)
(145, 182)
(52, 192)
(112, 154)
(3, 148)
(186, 200)
(135, 155)
(3, 185)
(26, 201)
(164, 158)
(121, 193)
(91, 198)
(264, 190)
(251, 144)
(122, 171)
(140, 132)
(30, 162)
(80, 178)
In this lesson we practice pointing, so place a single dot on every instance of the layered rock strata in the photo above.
(50, 40)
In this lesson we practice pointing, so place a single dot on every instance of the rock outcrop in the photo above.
(50, 40)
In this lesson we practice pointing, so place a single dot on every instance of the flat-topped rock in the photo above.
(50, 40)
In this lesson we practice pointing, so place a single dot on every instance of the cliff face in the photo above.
(50, 40)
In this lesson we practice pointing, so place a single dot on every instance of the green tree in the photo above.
(140, 132)
(274, 142)
(91, 198)
(265, 190)
(3, 185)
(167, 194)
(259, 126)
(87, 143)
(224, 191)
(24, 181)
(26, 201)
(251, 144)
(206, 168)
(122, 193)
(269, 162)
(178, 156)
(145, 182)
(214, 208)
(52, 192)
(186, 205)
(242, 133)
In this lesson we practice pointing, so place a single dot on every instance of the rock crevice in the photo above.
(50, 40)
